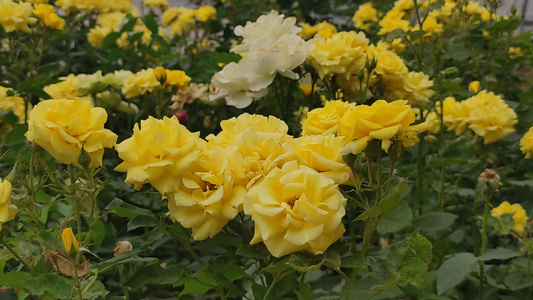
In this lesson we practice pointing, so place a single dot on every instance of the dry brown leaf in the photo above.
(65, 264)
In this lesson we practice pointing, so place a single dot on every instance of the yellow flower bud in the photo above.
(68, 239)
(160, 74)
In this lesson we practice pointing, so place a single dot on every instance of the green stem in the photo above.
(14, 253)
(484, 241)
(276, 280)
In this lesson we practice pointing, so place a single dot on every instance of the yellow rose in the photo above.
(7, 210)
(176, 78)
(63, 126)
(111, 20)
(308, 31)
(65, 89)
(365, 14)
(490, 117)
(13, 104)
(393, 19)
(47, 14)
(515, 52)
(170, 15)
(211, 194)
(342, 53)
(325, 29)
(526, 143)
(325, 120)
(158, 153)
(206, 13)
(518, 214)
(16, 16)
(388, 122)
(296, 209)
(140, 83)
(97, 35)
(389, 65)
(231, 128)
(473, 86)
(162, 4)
(259, 140)
(415, 87)
(322, 153)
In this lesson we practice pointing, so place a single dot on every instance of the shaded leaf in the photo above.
(454, 270)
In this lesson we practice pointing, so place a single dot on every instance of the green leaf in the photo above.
(421, 247)
(199, 283)
(155, 274)
(434, 221)
(454, 270)
(393, 198)
(51, 285)
(458, 51)
(142, 221)
(122, 259)
(126, 210)
(498, 253)
(16, 135)
(354, 261)
(278, 267)
(150, 23)
(394, 35)
(414, 272)
(304, 263)
(231, 271)
(110, 39)
(15, 279)
(395, 220)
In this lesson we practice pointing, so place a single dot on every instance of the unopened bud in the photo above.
(122, 247)
(84, 159)
(489, 179)
(160, 74)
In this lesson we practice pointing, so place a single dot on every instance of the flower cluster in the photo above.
(358, 125)
(361, 68)
(252, 165)
(271, 46)
(324, 29)
(63, 127)
(402, 13)
(485, 113)
(182, 19)
(149, 81)
(90, 5)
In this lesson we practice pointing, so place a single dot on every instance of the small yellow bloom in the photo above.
(518, 214)
(206, 13)
(177, 78)
(49, 17)
(526, 143)
(364, 15)
(474, 86)
(97, 35)
(8, 211)
(325, 120)
(515, 52)
(69, 239)
(161, 74)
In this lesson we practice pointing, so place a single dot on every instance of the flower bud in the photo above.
(122, 247)
(489, 179)
(84, 159)
(160, 74)
(69, 239)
